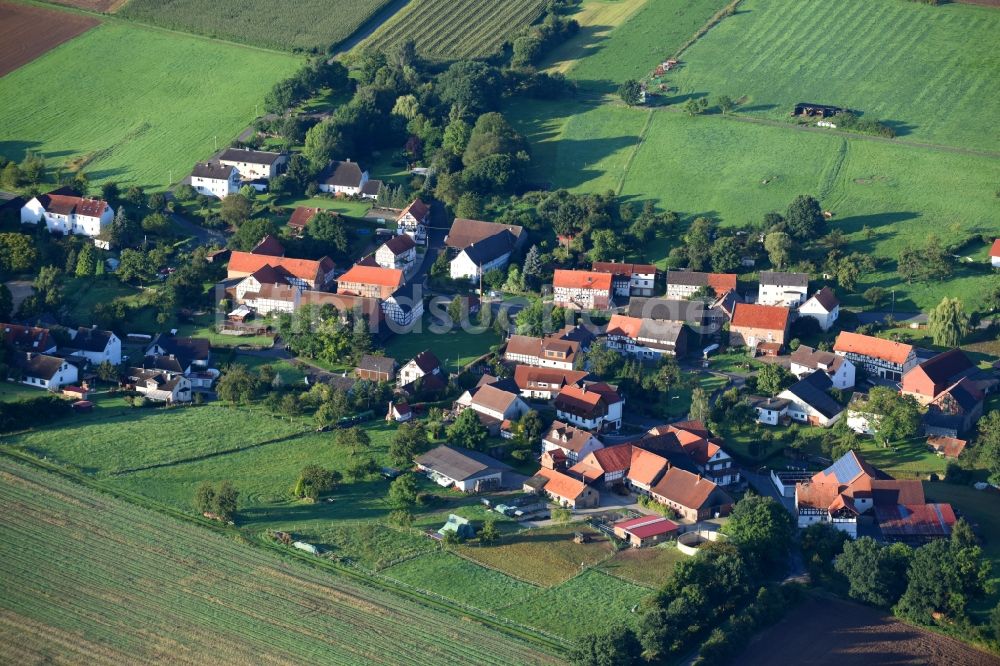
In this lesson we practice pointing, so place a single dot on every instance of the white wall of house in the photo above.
(812, 308)
(539, 361)
(463, 267)
(769, 416)
(254, 171)
(402, 317)
(217, 187)
(347, 190)
(803, 413)
(385, 258)
(586, 424)
(82, 225)
(66, 375)
(842, 379)
(111, 353)
(781, 294)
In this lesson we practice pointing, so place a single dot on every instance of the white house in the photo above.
(769, 410)
(95, 346)
(68, 214)
(877, 356)
(596, 406)
(346, 178)
(160, 386)
(645, 339)
(413, 221)
(215, 180)
(574, 443)
(254, 164)
(469, 471)
(806, 360)
(629, 279)
(822, 306)
(399, 252)
(424, 364)
(47, 372)
(787, 289)
(809, 402)
(552, 351)
(404, 306)
(483, 256)
(493, 403)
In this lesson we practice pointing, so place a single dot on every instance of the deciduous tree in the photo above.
(948, 322)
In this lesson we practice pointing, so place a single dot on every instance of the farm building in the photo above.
(493, 405)
(399, 252)
(692, 496)
(593, 406)
(482, 256)
(469, 471)
(809, 110)
(646, 339)
(424, 366)
(823, 306)
(370, 281)
(459, 525)
(809, 400)
(94, 345)
(563, 489)
(552, 351)
(690, 445)
(757, 325)
(928, 379)
(582, 290)
(346, 178)
(301, 217)
(545, 383)
(573, 443)
(376, 368)
(949, 447)
(645, 530)
(878, 357)
(684, 284)
(43, 371)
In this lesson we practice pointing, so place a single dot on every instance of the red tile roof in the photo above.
(270, 246)
(63, 204)
(400, 244)
(581, 402)
(995, 250)
(302, 215)
(689, 490)
(609, 459)
(529, 376)
(561, 485)
(418, 209)
(767, 317)
(950, 447)
(645, 466)
(622, 269)
(304, 269)
(867, 345)
(624, 326)
(567, 279)
(645, 527)
(383, 277)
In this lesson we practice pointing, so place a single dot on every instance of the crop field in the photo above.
(650, 567)
(569, 609)
(909, 64)
(828, 632)
(145, 107)
(21, 40)
(637, 45)
(552, 555)
(298, 25)
(460, 580)
(456, 29)
(107, 6)
(90, 579)
(126, 439)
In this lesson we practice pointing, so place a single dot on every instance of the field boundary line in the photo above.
(558, 646)
(493, 568)
(717, 18)
(635, 151)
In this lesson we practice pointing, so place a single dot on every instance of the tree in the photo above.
(33, 168)
(47, 286)
(804, 218)
(135, 265)
(409, 442)
(532, 264)
(314, 481)
(945, 576)
(698, 242)
(471, 86)
(235, 209)
(17, 253)
(86, 261)
(123, 230)
(403, 491)
(561, 515)
(361, 467)
(772, 379)
(875, 574)
(725, 104)
(725, 255)
(334, 408)
(948, 322)
(204, 497)
(226, 501)
(895, 416)
(6, 302)
(530, 428)
(108, 372)
(693, 106)
(606, 245)
(456, 309)
(617, 646)
(11, 176)
(988, 444)
(354, 438)
(763, 530)
(631, 92)
(156, 223)
(778, 246)
(237, 385)
(489, 534)
(467, 430)
(821, 544)
(699, 405)
(602, 360)
(875, 295)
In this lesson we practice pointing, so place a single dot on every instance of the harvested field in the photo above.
(645, 566)
(90, 579)
(21, 41)
(106, 6)
(840, 633)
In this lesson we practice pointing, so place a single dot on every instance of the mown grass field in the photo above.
(456, 29)
(645, 566)
(545, 556)
(134, 105)
(908, 459)
(90, 579)
(111, 441)
(644, 35)
(921, 68)
(299, 25)
(455, 348)
(570, 609)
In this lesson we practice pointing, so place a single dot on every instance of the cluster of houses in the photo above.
(949, 386)
(170, 368)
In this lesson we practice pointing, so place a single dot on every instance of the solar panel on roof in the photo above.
(846, 468)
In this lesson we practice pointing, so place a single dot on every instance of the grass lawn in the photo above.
(456, 578)
(648, 34)
(10, 391)
(982, 509)
(204, 326)
(293, 25)
(347, 207)
(546, 556)
(371, 544)
(907, 459)
(266, 474)
(906, 63)
(455, 348)
(570, 609)
(650, 567)
(121, 438)
(144, 106)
